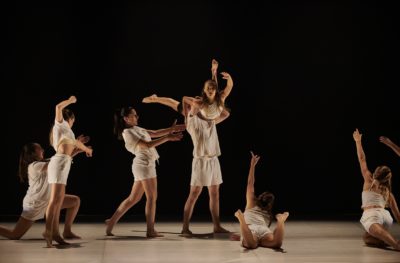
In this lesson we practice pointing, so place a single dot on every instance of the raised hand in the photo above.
(214, 66)
(72, 99)
(385, 140)
(89, 151)
(254, 159)
(226, 75)
(357, 136)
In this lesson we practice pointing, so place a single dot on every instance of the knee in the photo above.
(77, 201)
(249, 246)
(152, 197)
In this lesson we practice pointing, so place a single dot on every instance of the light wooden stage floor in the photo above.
(305, 241)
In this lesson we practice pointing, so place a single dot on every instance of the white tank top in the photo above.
(211, 111)
(256, 216)
(371, 198)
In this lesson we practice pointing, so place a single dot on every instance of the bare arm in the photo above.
(223, 116)
(390, 144)
(229, 85)
(362, 159)
(161, 140)
(163, 132)
(214, 68)
(394, 208)
(60, 106)
(81, 146)
(250, 196)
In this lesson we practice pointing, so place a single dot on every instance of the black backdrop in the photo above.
(306, 75)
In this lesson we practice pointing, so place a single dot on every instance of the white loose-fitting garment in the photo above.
(60, 164)
(378, 215)
(206, 170)
(143, 165)
(38, 194)
(211, 111)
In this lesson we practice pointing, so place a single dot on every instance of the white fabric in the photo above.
(206, 172)
(61, 131)
(379, 216)
(211, 111)
(132, 136)
(204, 136)
(38, 194)
(371, 198)
(58, 169)
(258, 231)
(143, 170)
(256, 216)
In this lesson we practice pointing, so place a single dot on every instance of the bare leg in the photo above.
(19, 230)
(162, 100)
(134, 197)
(213, 192)
(379, 232)
(71, 203)
(53, 210)
(56, 226)
(275, 240)
(372, 241)
(188, 210)
(150, 189)
(249, 241)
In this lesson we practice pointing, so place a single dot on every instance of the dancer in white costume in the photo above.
(33, 167)
(63, 140)
(376, 196)
(211, 104)
(257, 217)
(138, 141)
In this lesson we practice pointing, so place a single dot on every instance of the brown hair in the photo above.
(265, 201)
(383, 175)
(26, 157)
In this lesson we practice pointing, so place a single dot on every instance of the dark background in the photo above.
(306, 74)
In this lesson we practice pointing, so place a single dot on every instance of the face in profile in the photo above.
(132, 118)
(71, 122)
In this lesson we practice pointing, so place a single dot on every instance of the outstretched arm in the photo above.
(362, 159)
(163, 132)
(154, 143)
(60, 106)
(223, 116)
(214, 69)
(394, 208)
(389, 143)
(250, 196)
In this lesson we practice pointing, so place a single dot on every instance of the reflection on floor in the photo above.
(312, 241)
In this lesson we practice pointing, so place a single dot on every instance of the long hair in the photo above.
(26, 157)
(265, 201)
(67, 115)
(383, 175)
(218, 98)
(119, 122)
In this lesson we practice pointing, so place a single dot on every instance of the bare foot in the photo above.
(47, 236)
(149, 99)
(60, 240)
(220, 230)
(282, 217)
(239, 214)
(153, 234)
(70, 235)
(186, 233)
(109, 228)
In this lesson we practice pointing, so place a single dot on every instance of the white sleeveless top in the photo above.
(132, 136)
(256, 216)
(204, 136)
(38, 193)
(62, 131)
(371, 198)
(211, 111)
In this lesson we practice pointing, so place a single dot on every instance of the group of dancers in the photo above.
(47, 179)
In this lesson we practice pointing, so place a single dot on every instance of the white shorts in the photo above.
(58, 168)
(258, 231)
(206, 172)
(143, 169)
(379, 216)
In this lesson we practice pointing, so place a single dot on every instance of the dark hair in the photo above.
(383, 175)
(26, 157)
(265, 201)
(67, 115)
(119, 122)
